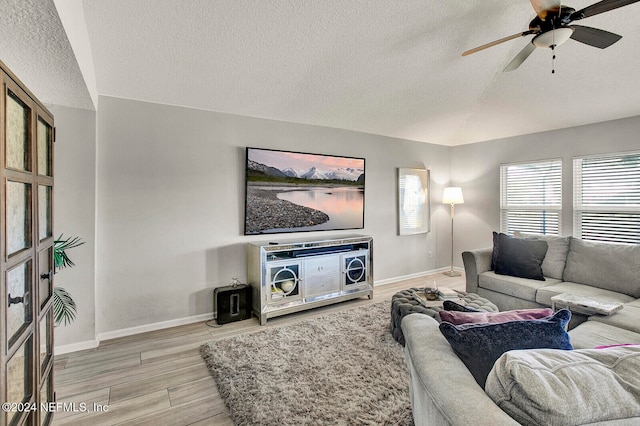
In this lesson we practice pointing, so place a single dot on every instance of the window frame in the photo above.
(579, 207)
(505, 207)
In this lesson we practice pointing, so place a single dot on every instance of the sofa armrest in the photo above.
(443, 391)
(475, 263)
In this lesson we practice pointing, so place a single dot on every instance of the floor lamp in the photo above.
(452, 195)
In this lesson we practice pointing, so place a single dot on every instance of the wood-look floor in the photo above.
(159, 378)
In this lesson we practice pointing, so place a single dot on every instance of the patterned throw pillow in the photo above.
(480, 345)
(458, 318)
(450, 305)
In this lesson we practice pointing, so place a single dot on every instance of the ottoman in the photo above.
(404, 303)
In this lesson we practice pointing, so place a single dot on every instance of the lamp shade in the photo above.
(452, 195)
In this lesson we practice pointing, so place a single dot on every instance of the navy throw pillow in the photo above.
(520, 257)
(450, 305)
(480, 345)
(496, 248)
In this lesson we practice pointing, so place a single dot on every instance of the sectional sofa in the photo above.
(603, 271)
(539, 386)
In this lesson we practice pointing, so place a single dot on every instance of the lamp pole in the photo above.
(451, 272)
(452, 196)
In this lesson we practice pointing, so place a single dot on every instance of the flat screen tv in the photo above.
(296, 192)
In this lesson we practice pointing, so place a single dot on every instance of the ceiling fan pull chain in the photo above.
(553, 51)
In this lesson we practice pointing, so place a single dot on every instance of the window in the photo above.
(531, 197)
(606, 198)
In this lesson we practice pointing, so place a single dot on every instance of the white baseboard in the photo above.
(416, 275)
(153, 327)
(92, 344)
(75, 347)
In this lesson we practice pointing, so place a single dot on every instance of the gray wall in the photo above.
(74, 214)
(476, 168)
(170, 205)
(158, 194)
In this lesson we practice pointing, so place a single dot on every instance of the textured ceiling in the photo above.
(386, 67)
(33, 44)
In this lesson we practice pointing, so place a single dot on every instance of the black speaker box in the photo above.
(232, 303)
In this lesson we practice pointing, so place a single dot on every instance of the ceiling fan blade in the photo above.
(594, 36)
(520, 57)
(544, 7)
(494, 43)
(600, 7)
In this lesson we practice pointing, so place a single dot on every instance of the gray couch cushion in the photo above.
(593, 333)
(544, 294)
(556, 257)
(612, 266)
(544, 387)
(627, 318)
(522, 288)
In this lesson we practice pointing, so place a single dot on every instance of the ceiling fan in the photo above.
(551, 27)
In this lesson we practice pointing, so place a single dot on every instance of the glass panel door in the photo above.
(18, 300)
(19, 377)
(45, 276)
(46, 396)
(46, 345)
(18, 149)
(18, 216)
(284, 279)
(26, 252)
(45, 211)
(45, 148)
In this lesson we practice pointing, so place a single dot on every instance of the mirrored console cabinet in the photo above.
(26, 255)
(292, 275)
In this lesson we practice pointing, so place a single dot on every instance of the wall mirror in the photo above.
(413, 201)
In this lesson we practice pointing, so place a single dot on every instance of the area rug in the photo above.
(338, 369)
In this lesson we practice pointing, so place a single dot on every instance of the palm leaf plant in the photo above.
(64, 307)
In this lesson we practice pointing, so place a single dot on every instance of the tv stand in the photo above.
(294, 275)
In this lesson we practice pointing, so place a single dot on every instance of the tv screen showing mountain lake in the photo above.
(293, 192)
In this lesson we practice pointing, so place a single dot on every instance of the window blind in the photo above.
(606, 198)
(531, 197)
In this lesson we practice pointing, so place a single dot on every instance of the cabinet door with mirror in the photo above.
(26, 253)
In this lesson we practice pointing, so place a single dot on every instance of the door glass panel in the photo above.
(19, 376)
(18, 147)
(284, 281)
(19, 300)
(45, 139)
(18, 216)
(46, 273)
(45, 340)
(44, 211)
(46, 396)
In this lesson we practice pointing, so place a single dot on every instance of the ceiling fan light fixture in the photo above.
(554, 37)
